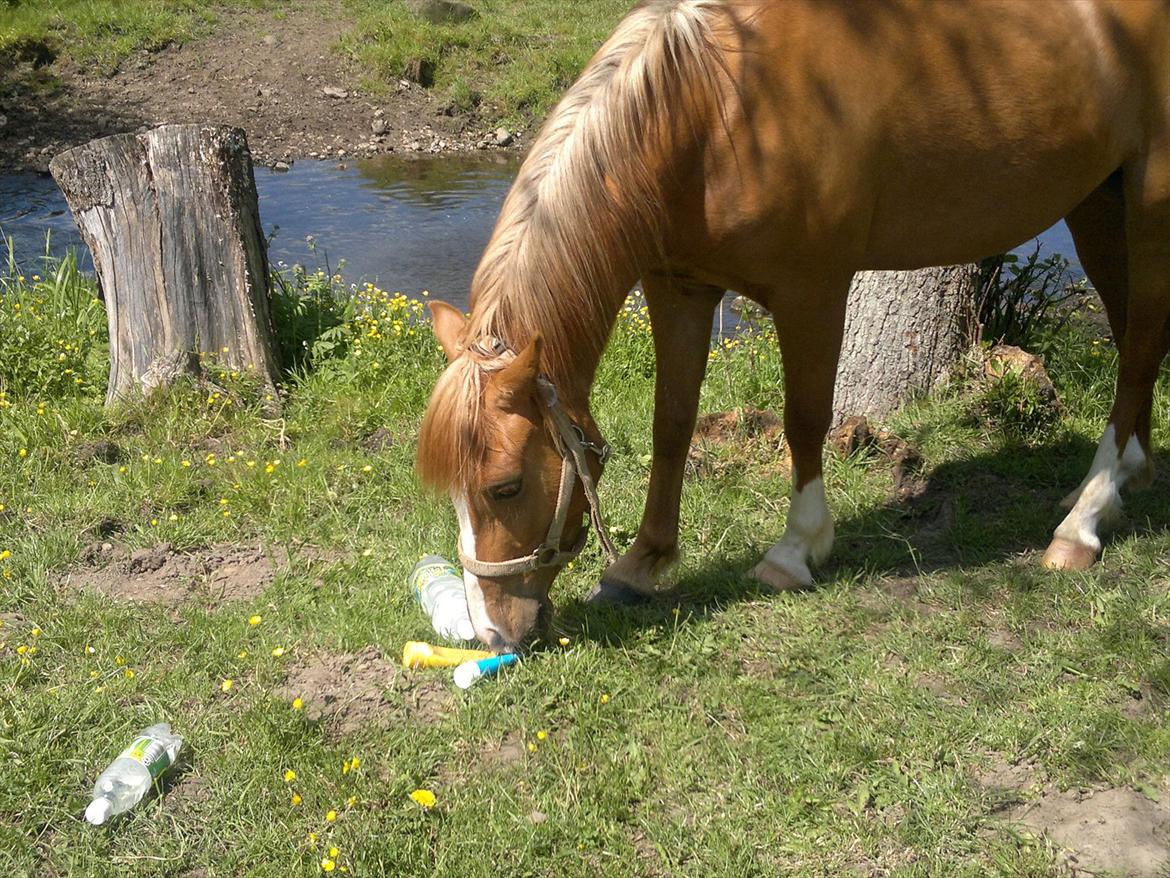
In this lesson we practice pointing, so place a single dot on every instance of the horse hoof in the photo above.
(609, 593)
(777, 578)
(1065, 554)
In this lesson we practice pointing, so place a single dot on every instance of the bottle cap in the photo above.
(464, 630)
(98, 810)
(466, 674)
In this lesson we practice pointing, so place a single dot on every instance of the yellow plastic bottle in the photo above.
(416, 654)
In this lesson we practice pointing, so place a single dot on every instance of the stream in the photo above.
(407, 225)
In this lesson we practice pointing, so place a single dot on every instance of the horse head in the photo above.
(520, 469)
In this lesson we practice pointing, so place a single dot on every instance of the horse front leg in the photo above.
(809, 328)
(681, 315)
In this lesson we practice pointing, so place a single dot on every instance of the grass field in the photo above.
(886, 723)
(97, 34)
(512, 61)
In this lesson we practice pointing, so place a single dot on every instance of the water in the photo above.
(407, 225)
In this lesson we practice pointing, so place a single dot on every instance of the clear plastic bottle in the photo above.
(122, 786)
(438, 588)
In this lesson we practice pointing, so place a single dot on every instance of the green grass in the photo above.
(821, 734)
(100, 33)
(514, 59)
(510, 63)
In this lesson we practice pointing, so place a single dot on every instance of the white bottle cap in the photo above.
(464, 630)
(466, 674)
(98, 810)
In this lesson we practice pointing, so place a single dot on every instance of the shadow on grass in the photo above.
(993, 508)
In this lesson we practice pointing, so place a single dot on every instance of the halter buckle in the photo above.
(546, 555)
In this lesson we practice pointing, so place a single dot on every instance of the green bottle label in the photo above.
(153, 755)
(428, 573)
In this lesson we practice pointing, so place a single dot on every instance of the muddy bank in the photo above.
(281, 78)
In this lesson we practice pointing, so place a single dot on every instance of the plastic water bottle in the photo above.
(122, 786)
(438, 588)
(467, 673)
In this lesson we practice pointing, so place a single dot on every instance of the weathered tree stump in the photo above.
(172, 220)
(904, 331)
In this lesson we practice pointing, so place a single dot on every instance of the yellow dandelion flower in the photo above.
(226, 685)
(330, 816)
(128, 673)
(270, 469)
(367, 468)
(351, 801)
(564, 641)
(118, 660)
(424, 798)
(296, 799)
(301, 462)
(36, 632)
(289, 775)
(328, 865)
(541, 735)
(604, 699)
(243, 653)
(531, 747)
(297, 703)
(278, 651)
(334, 852)
(255, 620)
(21, 650)
(355, 763)
(23, 452)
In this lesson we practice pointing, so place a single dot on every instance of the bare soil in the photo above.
(283, 79)
(1118, 831)
(164, 576)
(354, 691)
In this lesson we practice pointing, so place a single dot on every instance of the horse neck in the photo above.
(564, 281)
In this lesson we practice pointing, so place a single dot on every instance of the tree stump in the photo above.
(904, 331)
(171, 218)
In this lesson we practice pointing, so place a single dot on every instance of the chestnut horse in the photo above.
(775, 148)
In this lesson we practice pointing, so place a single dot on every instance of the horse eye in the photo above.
(505, 490)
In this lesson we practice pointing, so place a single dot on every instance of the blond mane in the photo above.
(581, 218)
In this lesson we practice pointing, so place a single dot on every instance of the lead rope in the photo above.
(576, 448)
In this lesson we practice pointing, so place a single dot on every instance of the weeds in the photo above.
(1018, 299)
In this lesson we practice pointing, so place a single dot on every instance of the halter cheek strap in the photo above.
(572, 445)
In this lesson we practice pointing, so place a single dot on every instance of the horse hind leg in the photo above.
(1124, 452)
(810, 330)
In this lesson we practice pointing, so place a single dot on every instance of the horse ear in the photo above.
(450, 326)
(516, 382)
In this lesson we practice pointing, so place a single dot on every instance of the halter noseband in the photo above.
(572, 444)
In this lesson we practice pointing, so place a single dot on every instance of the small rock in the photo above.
(341, 166)
(332, 91)
(442, 11)
(537, 817)
(270, 40)
(379, 126)
(3, 120)
(379, 113)
(420, 70)
(1004, 359)
(280, 166)
(853, 435)
(414, 146)
(503, 137)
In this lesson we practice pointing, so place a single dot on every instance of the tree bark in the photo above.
(904, 331)
(172, 220)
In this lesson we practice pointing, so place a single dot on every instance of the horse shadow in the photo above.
(989, 508)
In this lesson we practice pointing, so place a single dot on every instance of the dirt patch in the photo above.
(1118, 832)
(161, 575)
(1003, 775)
(280, 77)
(353, 691)
(738, 438)
(507, 752)
(897, 591)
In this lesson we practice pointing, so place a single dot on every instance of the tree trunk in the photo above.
(904, 330)
(173, 224)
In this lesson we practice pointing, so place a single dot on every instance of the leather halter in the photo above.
(572, 444)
